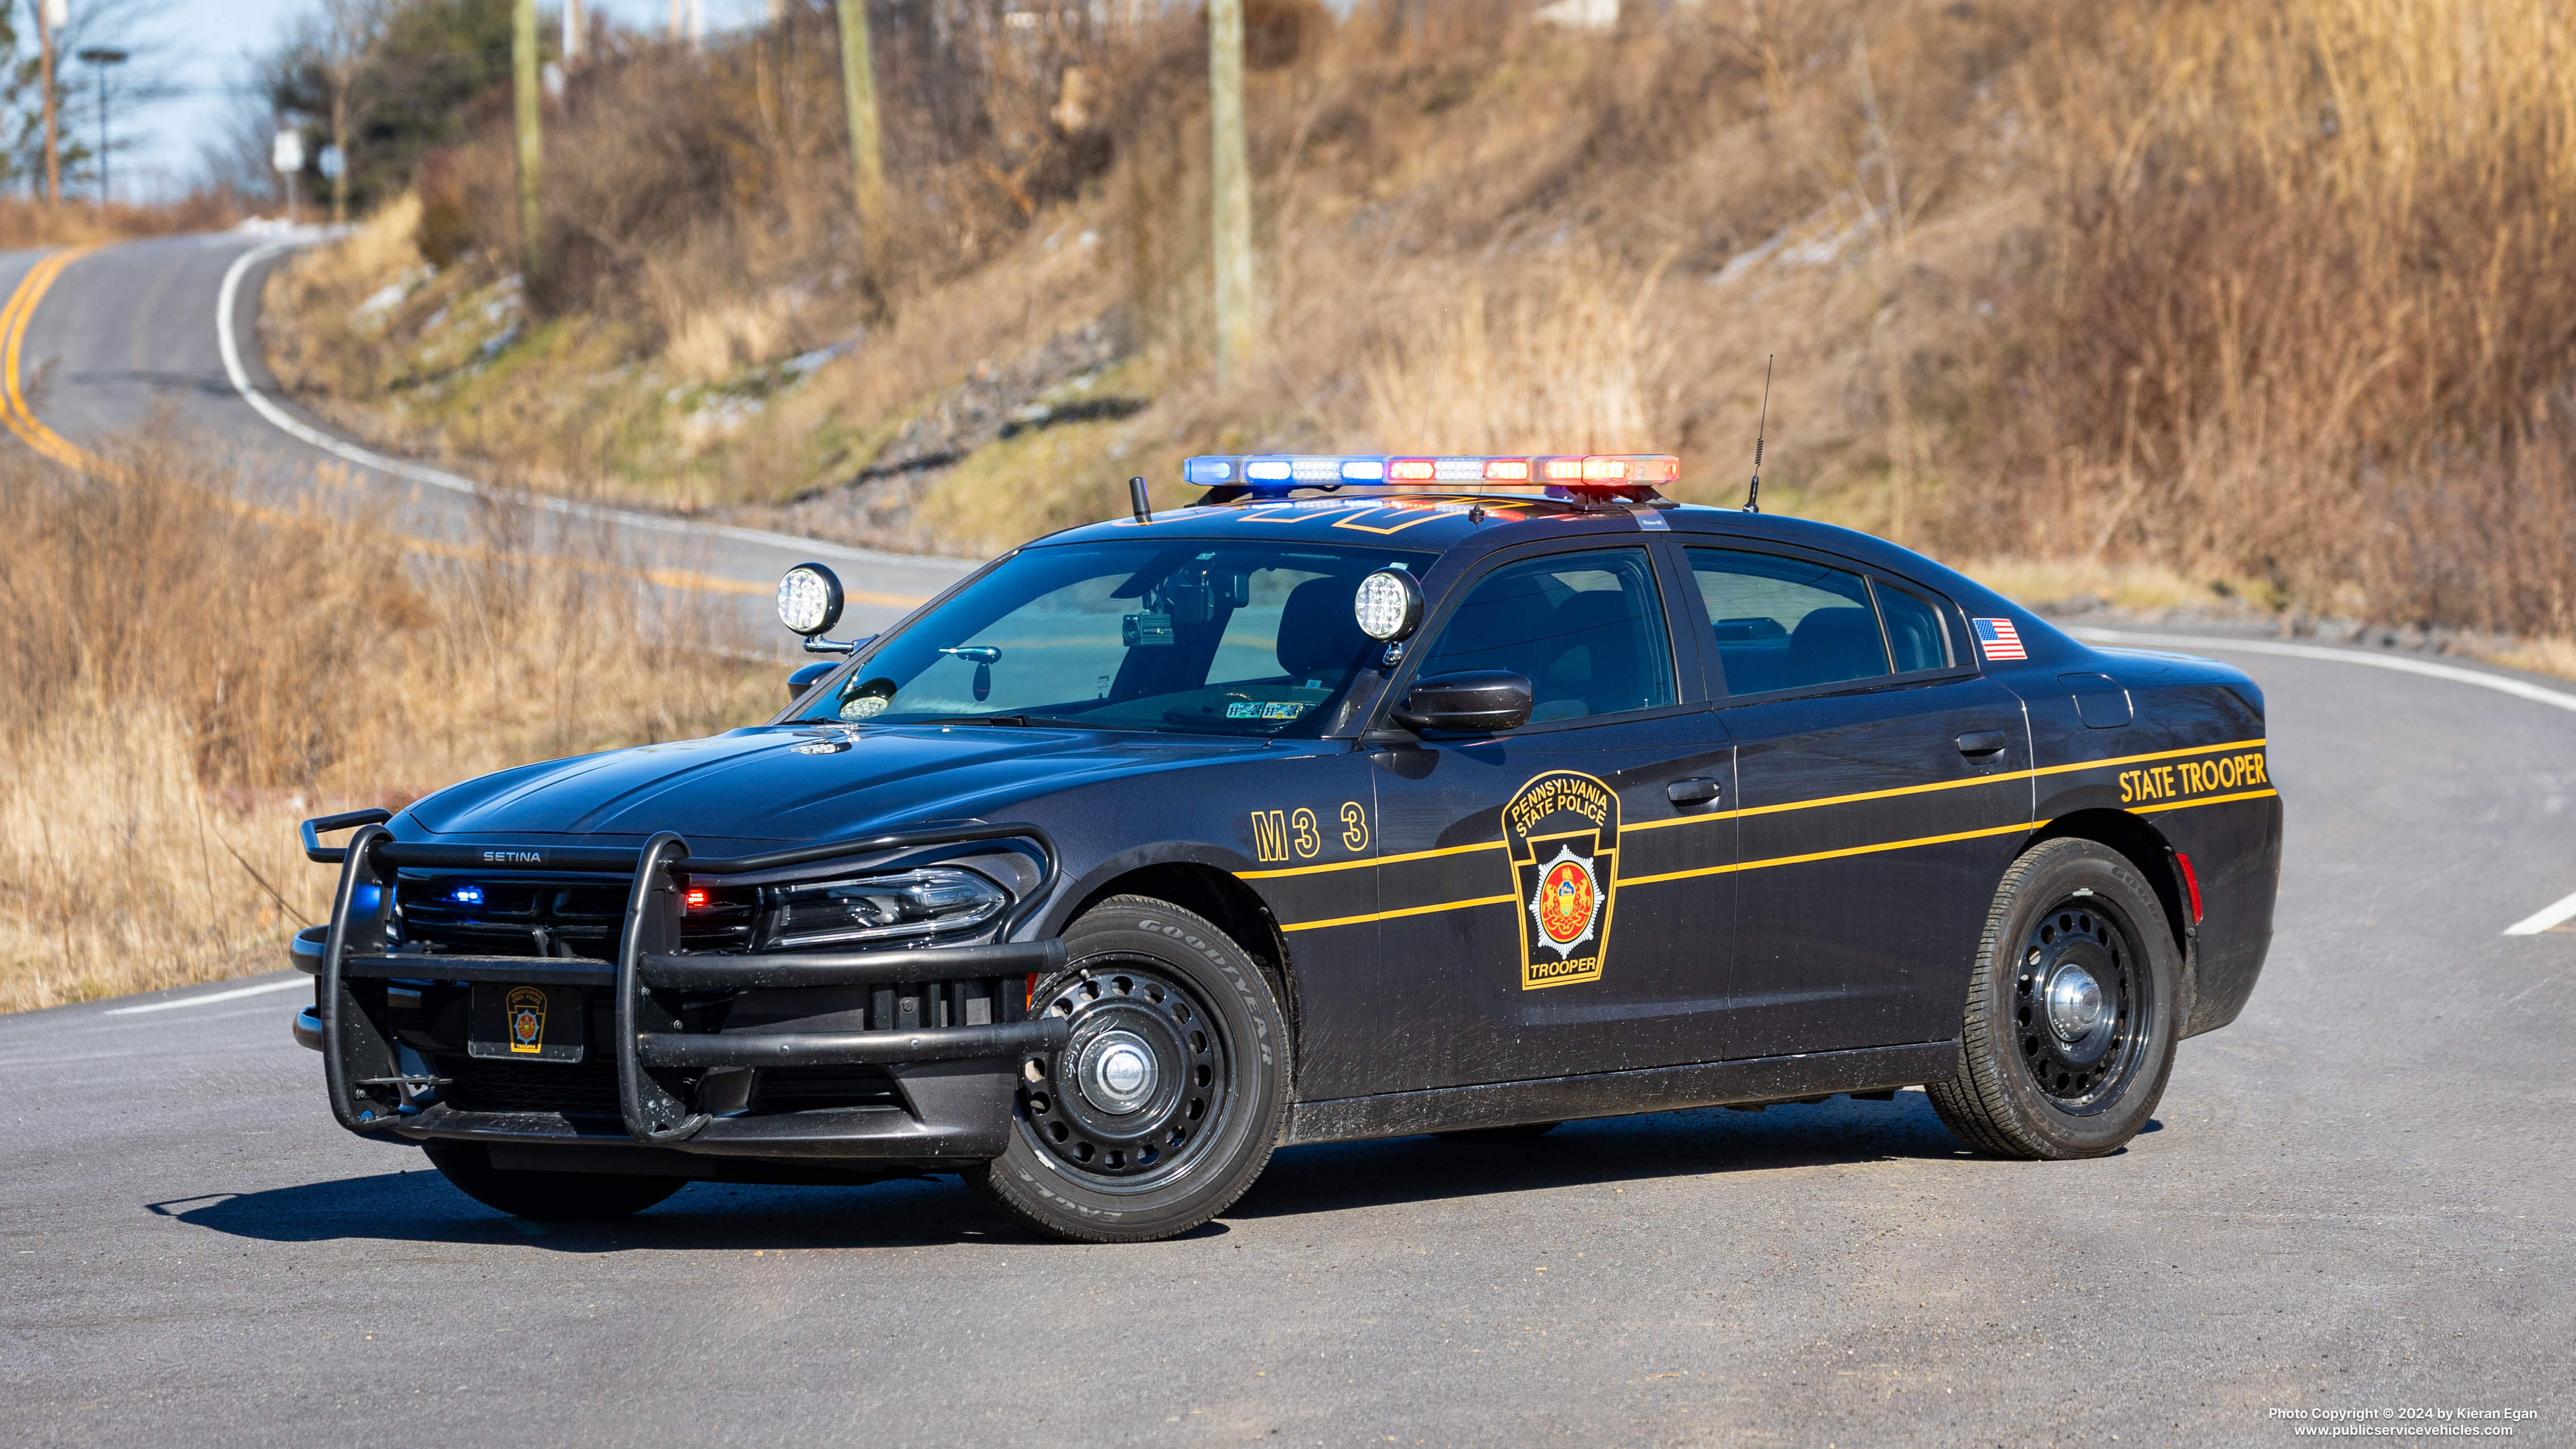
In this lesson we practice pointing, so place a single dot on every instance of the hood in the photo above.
(795, 783)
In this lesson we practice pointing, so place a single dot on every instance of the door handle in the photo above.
(1982, 742)
(1696, 791)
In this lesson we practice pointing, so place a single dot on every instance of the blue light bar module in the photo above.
(1283, 469)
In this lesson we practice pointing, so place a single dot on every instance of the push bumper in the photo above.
(951, 1056)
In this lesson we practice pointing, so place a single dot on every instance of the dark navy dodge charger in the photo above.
(1367, 797)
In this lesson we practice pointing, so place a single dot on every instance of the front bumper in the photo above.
(924, 1046)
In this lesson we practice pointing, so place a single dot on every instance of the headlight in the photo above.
(933, 900)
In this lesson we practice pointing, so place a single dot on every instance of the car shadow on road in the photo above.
(419, 1207)
(1606, 1151)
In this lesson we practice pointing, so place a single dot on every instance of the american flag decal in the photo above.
(1998, 639)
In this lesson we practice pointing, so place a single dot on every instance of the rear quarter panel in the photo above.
(2193, 768)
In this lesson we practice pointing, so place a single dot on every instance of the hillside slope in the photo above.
(2271, 297)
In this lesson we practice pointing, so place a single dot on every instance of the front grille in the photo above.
(584, 1088)
(528, 915)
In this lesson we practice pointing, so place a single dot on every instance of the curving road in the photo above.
(2359, 1195)
(117, 337)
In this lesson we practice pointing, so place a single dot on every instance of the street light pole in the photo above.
(102, 57)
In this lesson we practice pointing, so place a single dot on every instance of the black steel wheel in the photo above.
(1168, 1095)
(1142, 1085)
(2072, 1012)
(2082, 1016)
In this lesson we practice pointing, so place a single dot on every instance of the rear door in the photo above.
(1511, 944)
(1884, 784)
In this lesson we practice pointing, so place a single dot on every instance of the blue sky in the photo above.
(207, 44)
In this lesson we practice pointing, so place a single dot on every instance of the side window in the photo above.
(1586, 629)
(1784, 623)
(1914, 632)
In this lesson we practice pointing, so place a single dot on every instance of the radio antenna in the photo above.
(1753, 495)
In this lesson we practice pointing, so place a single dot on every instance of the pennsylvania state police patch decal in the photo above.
(1563, 831)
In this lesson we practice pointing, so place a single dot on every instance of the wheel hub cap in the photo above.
(2079, 1012)
(1116, 1072)
(2074, 1003)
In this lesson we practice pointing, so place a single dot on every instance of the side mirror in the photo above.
(809, 600)
(1471, 701)
(803, 680)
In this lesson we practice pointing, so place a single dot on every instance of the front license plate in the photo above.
(525, 1023)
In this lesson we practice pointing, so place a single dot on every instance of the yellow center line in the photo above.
(31, 430)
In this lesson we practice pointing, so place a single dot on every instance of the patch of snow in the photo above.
(1580, 14)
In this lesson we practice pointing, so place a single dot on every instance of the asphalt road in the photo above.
(2358, 1196)
(128, 335)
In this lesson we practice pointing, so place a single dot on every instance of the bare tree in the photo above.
(350, 30)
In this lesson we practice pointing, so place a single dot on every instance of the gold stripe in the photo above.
(2021, 827)
(1367, 860)
(1890, 794)
(31, 430)
(1502, 900)
(2204, 800)
(2255, 744)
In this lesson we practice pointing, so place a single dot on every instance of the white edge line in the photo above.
(2504, 684)
(2543, 919)
(235, 994)
(2539, 921)
(289, 424)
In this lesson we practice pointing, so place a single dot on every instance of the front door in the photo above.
(1515, 940)
(1885, 786)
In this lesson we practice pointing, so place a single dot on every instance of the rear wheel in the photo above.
(2072, 1010)
(1168, 1095)
(548, 1197)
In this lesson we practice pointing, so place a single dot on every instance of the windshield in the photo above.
(1180, 635)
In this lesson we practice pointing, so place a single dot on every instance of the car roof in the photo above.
(1472, 525)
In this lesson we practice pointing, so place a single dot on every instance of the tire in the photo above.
(2040, 1075)
(548, 1197)
(1517, 1132)
(1105, 1150)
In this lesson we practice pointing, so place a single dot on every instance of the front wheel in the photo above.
(547, 1197)
(1168, 1095)
(2071, 1016)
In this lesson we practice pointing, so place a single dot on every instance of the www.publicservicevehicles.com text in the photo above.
(2405, 1421)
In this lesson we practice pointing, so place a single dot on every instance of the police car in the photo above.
(1369, 796)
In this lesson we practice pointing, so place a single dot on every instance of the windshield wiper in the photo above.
(1022, 721)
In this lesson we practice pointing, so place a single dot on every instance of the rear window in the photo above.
(1784, 623)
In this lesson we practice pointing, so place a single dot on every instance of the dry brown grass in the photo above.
(186, 679)
(25, 223)
(2272, 294)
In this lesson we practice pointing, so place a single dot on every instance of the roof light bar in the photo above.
(1277, 472)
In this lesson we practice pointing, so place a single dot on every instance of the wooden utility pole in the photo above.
(49, 18)
(1232, 180)
(532, 156)
(867, 162)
